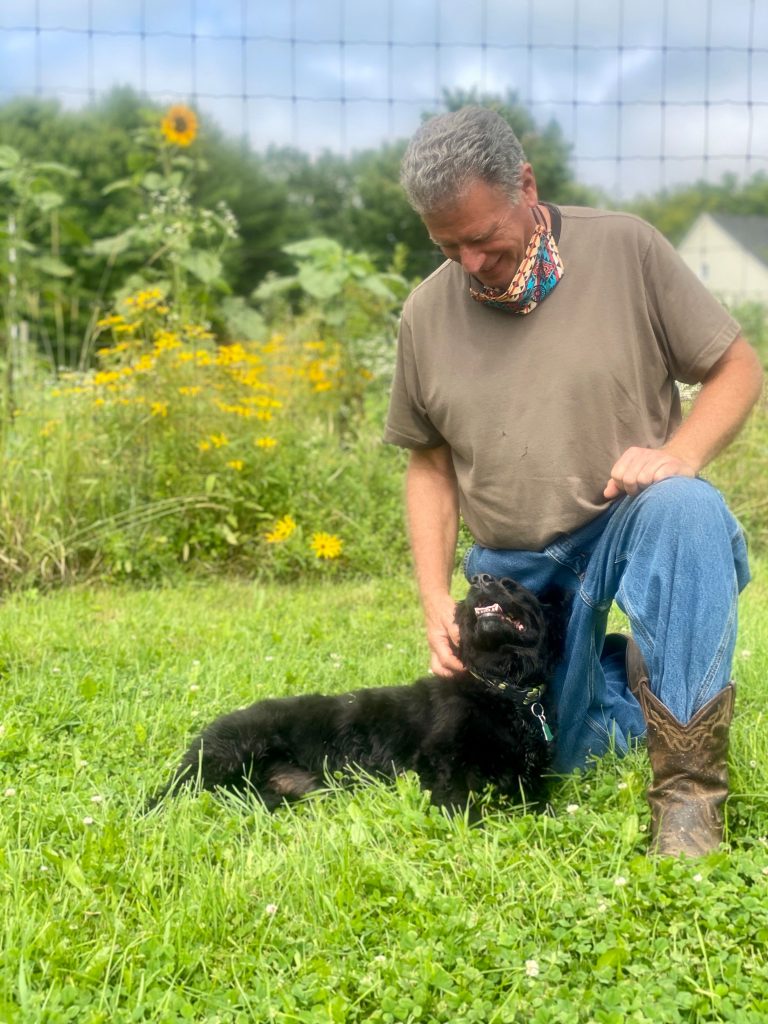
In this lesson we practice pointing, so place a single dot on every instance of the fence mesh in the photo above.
(649, 93)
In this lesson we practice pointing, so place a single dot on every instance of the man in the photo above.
(535, 387)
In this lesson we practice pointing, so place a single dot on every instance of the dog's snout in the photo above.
(482, 579)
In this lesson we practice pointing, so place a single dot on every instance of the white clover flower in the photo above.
(532, 968)
(96, 798)
(88, 821)
(270, 909)
(194, 688)
(622, 785)
(620, 880)
(572, 808)
(698, 877)
(11, 791)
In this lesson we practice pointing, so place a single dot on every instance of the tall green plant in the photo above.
(175, 245)
(341, 296)
(29, 273)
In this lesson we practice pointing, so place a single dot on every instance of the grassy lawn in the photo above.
(364, 906)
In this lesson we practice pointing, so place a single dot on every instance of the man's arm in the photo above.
(432, 502)
(727, 396)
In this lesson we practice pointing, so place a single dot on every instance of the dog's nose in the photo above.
(482, 579)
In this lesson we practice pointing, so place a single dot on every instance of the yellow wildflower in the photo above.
(191, 390)
(265, 442)
(179, 126)
(219, 440)
(159, 409)
(148, 298)
(326, 545)
(236, 464)
(166, 340)
(197, 331)
(281, 531)
(48, 428)
(204, 446)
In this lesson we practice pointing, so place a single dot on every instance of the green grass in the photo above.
(362, 906)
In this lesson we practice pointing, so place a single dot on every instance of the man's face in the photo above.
(485, 231)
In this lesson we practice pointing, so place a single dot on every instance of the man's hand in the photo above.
(443, 637)
(638, 468)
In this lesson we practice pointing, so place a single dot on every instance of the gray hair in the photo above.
(451, 151)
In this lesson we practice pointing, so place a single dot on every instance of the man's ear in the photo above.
(529, 192)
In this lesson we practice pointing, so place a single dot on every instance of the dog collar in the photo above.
(531, 698)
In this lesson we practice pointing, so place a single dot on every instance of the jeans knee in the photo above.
(687, 499)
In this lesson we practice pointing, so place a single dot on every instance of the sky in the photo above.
(650, 94)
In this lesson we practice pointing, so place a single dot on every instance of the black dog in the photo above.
(485, 726)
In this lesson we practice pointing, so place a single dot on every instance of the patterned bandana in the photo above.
(538, 273)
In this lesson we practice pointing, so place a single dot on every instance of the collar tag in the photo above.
(537, 710)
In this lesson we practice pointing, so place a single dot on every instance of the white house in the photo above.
(730, 255)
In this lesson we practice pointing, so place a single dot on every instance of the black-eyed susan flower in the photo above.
(179, 126)
(326, 545)
(281, 531)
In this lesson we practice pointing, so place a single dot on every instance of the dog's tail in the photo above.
(182, 779)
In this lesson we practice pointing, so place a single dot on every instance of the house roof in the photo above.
(750, 231)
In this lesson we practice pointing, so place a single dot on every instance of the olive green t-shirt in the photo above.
(537, 409)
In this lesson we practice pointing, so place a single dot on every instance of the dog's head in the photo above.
(507, 634)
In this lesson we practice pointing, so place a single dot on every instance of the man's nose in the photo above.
(471, 258)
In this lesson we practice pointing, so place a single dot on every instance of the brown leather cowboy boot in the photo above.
(689, 764)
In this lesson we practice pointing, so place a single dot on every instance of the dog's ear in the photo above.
(556, 604)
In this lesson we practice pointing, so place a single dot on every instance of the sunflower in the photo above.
(179, 126)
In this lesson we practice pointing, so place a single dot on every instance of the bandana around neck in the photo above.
(540, 270)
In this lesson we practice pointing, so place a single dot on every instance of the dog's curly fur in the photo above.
(460, 734)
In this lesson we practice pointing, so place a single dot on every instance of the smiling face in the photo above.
(485, 231)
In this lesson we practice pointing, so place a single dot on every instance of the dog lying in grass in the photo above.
(485, 727)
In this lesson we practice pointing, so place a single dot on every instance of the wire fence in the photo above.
(649, 93)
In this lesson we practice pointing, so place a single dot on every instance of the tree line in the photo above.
(278, 197)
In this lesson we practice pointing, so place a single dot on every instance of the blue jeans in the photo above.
(674, 559)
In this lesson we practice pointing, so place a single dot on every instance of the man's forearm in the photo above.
(433, 516)
(719, 411)
(727, 395)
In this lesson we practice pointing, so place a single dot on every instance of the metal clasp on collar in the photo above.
(537, 710)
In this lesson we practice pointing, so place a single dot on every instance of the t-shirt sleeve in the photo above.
(693, 328)
(408, 424)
